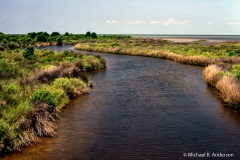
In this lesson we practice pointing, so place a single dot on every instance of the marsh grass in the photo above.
(225, 79)
(229, 88)
(194, 54)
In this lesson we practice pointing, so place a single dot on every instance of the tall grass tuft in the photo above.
(211, 74)
(228, 84)
(229, 88)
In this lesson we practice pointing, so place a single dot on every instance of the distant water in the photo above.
(223, 38)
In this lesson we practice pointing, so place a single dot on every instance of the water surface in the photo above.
(142, 108)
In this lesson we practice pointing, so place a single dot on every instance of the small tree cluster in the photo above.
(89, 34)
(29, 53)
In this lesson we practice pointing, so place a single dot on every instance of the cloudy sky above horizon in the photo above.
(121, 16)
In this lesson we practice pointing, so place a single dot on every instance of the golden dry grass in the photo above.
(229, 88)
(211, 74)
(227, 85)
(49, 74)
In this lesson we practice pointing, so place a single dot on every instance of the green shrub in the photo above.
(69, 58)
(4, 41)
(29, 53)
(3, 129)
(63, 83)
(59, 40)
(47, 52)
(49, 66)
(69, 53)
(87, 66)
(55, 97)
(236, 70)
(71, 86)
(11, 115)
(77, 83)
(44, 96)
(9, 94)
(114, 44)
(10, 89)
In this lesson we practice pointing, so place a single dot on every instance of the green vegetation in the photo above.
(165, 49)
(34, 86)
(13, 41)
(233, 71)
(28, 53)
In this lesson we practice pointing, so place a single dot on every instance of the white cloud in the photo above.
(155, 22)
(137, 22)
(169, 21)
(172, 21)
(210, 23)
(233, 23)
(112, 22)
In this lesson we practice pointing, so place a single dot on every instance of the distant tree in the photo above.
(13, 39)
(41, 38)
(88, 34)
(28, 53)
(32, 34)
(39, 33)
(94, 35)
(59, 40)
(51, 39)
(1, 33)
(45, 34)
(27, 39)
(1, 37)
(54, 34)
(66, 34)
(4, 41)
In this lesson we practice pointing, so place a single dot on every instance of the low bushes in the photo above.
(73, 87)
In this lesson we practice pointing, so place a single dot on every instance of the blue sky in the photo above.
(121, 16)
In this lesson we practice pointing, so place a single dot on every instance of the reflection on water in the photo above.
(142, 108)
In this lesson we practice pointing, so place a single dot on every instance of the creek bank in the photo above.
(33, 91)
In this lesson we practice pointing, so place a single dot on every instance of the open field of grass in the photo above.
(222, 59)
(34, 86)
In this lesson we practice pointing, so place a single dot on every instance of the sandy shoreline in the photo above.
(187, 39)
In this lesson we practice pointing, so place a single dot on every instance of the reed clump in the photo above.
(229, 88)
(225, 78)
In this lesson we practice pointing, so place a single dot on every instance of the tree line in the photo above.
(14, 41)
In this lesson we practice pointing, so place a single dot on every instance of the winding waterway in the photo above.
(142, 108)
